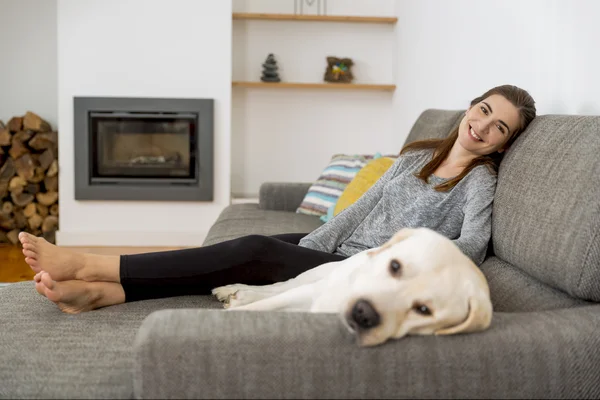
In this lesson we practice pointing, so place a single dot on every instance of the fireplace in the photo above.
(143, 149)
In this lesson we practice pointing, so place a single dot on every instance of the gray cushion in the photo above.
(282, 196)
(47, 354)
(277, 355)
(513, 290)
(245, 219)
(546, 218)
(434, 124)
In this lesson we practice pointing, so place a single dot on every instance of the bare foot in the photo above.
(74, 297)
(65, 265)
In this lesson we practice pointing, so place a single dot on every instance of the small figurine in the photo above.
(270, 68)
(338, 70)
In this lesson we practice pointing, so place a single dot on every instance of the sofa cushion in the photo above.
(246, 219)
(512, 290)
(546, 215)
(434, 124)
(48, 354)
(362, 182)
(324, 193)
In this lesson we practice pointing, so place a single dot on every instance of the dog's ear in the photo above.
(397, 237)
(478, 319)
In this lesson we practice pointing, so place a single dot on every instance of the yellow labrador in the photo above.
(418, 283)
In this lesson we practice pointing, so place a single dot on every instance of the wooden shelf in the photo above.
(330, 18)
(331, 86)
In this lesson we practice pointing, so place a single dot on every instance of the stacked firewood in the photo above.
(28, 178)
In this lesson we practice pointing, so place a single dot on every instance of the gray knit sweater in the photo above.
(399, 199)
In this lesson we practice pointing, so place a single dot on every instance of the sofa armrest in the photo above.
(251, 354)
(282, 196)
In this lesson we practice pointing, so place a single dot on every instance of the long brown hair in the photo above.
(526, 108)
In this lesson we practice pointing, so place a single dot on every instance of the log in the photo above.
(7, 171)
(35, 221)
(42, 209)
(25, 167)
(29, 210)
(50, 224)
(50, 236)
(44, 140)
(13, 236)
(17, 184)
(35, 123)
(7, 221)
(53, 170)
(54, 209)
(32, 188)
(20, 218)
(7, 207)
(15, 124)
(47, 198)
(18, 149)
(38, 175)
(46, 159)
(51, 183)
(23, 136)
(22, 199)
(5, 137)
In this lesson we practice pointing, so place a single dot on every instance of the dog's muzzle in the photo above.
(363, 316)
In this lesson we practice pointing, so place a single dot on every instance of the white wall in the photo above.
(450, 52)
(28, 77)
(142, 48)
(291, 134)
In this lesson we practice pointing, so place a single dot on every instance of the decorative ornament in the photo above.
(270, 68)
(321, 6)
(338, 70)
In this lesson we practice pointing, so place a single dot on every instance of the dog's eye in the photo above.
(395, 266)
(422, 309)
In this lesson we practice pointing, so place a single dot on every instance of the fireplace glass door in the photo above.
(143, 146)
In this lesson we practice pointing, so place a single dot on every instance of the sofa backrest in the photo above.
(434, 124)
(546, 215)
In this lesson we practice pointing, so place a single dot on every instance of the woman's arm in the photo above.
(330, 235)
(476, 230)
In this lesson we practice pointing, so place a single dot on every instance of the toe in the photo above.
(25, 237)
(29, 254)
(52, 294)
(28, 246)
(38, 277)
(47, 281)
(33, 263)
(39, 287)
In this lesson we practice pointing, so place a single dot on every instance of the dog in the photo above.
(417, 283)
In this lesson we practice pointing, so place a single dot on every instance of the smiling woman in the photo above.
(491, 124)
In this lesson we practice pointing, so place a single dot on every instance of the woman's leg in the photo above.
(253, 260)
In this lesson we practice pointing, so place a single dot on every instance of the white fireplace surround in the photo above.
(174, 56)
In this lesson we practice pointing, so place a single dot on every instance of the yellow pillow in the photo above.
(364, 179)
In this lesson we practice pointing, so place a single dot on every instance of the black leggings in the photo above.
(253, 260)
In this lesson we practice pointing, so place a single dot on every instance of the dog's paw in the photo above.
(223, 293)
(243, 297)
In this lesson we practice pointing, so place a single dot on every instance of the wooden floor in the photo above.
(14, 269)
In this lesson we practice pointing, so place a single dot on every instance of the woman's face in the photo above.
(488, 125)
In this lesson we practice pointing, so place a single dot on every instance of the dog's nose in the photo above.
(364, 315)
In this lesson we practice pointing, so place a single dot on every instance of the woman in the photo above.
(447, 185)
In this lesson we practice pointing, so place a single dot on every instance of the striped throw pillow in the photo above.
(325, 192)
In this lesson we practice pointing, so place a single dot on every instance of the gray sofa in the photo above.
(543, 269)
